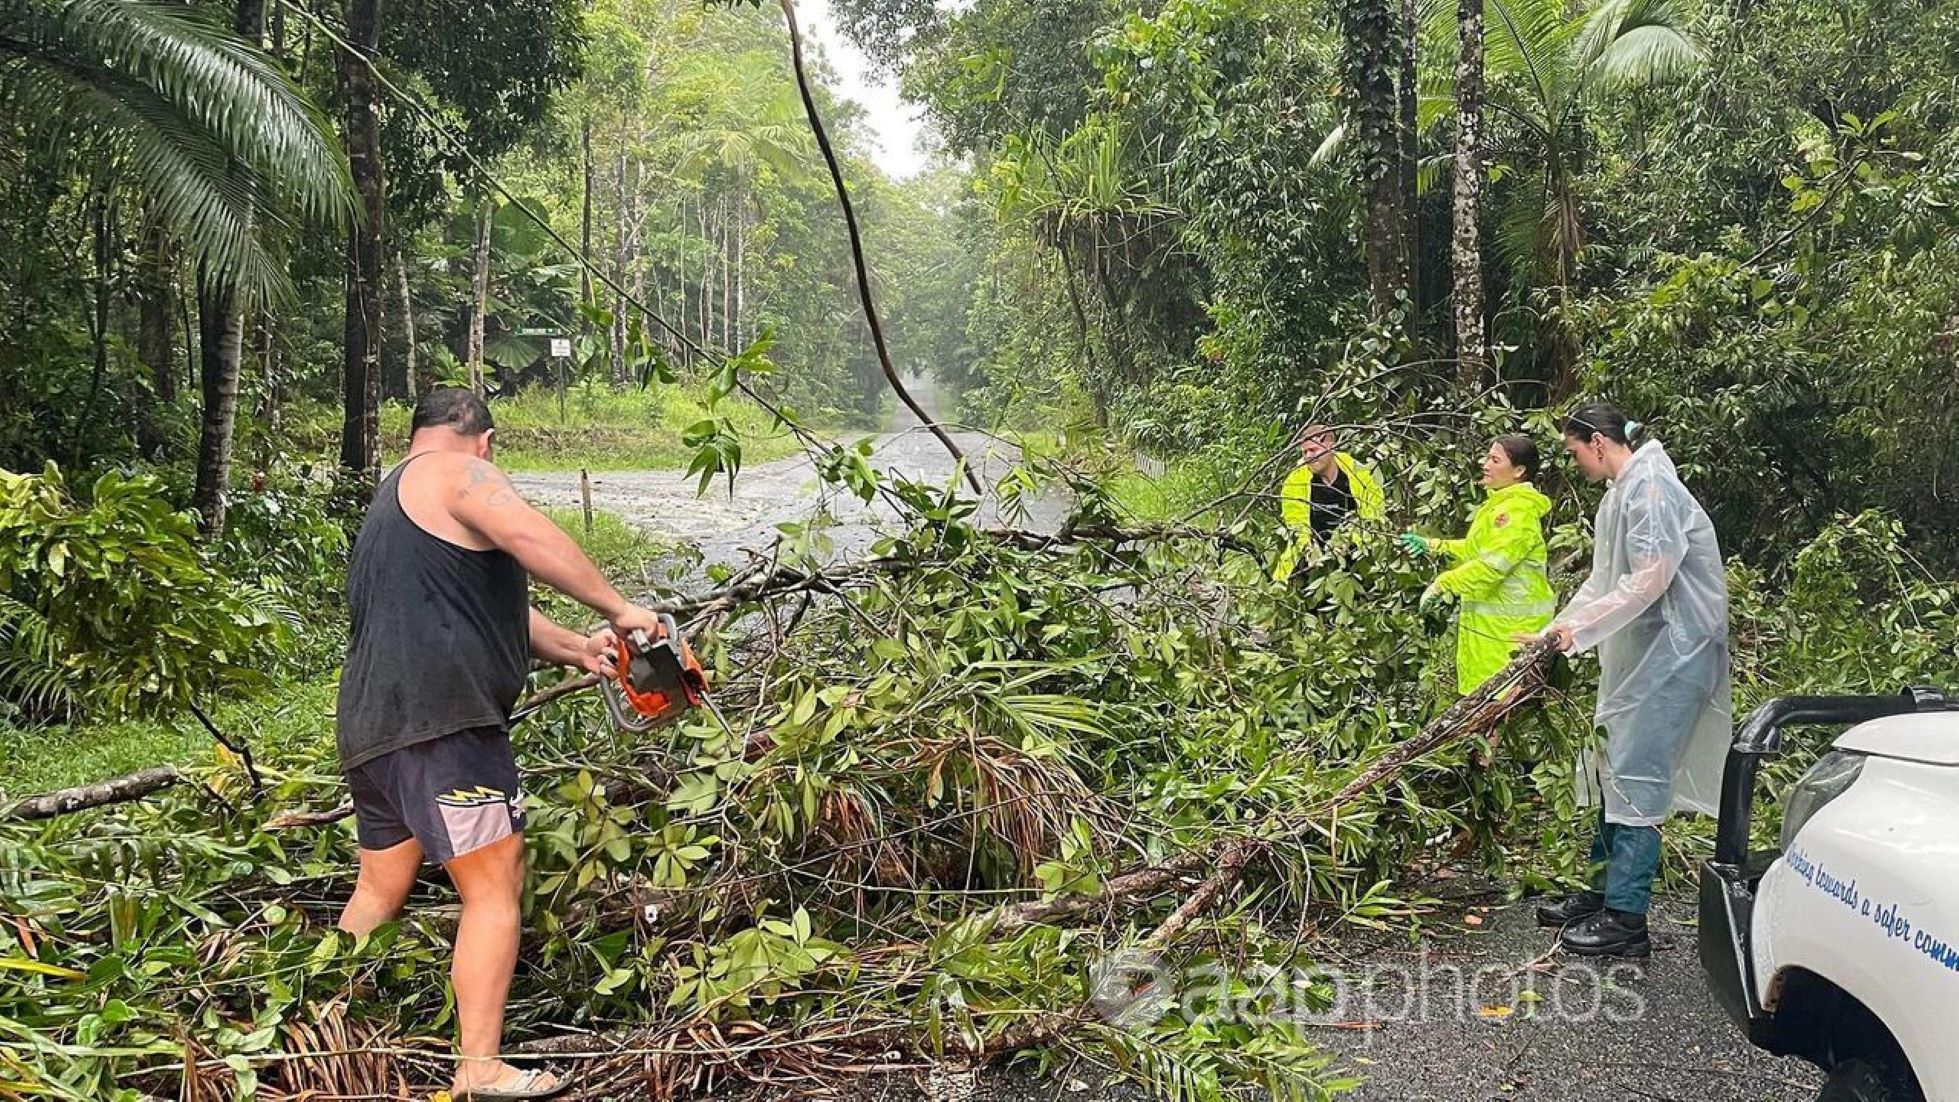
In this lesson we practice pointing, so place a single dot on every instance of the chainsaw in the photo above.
(656, 680)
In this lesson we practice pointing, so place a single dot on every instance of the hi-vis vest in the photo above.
(1501, 577)
(1296, 506)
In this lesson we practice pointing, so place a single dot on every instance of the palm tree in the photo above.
(765, 131)
(219, 143)
(1466, 202)
(1545, 65)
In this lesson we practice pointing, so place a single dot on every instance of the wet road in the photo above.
(725, 523)
(1489, 1012)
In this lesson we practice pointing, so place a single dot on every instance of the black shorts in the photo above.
(454, 795)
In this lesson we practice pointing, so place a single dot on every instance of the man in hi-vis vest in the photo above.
(1328, 489)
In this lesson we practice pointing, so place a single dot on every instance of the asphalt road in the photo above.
(1489, 1011)
(727, 524)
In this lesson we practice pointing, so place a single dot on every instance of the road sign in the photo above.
(561, 348)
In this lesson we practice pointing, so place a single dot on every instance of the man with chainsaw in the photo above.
(443, 634)
(1327, 489)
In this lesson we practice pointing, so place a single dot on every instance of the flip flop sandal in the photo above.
(527, 1085)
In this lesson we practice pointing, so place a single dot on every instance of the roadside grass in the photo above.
(293, 715)
(1177, 489)
(602, 429)
(282, 719)
(624, 553)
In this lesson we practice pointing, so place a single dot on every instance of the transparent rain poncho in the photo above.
(1656, 607)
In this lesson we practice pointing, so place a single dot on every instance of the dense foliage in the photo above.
(111, 607)
(1678, 217)
(549, 168)
(1168, 235)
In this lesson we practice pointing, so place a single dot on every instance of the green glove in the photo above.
(1413, 543)
(1432, 596)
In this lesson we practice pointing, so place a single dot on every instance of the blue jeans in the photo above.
(1624, 862)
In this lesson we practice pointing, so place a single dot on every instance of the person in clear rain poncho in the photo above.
(1656, 609)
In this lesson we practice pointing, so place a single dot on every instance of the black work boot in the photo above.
(1608, 933)
(1567, 909)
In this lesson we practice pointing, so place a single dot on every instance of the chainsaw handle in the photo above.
(640, 641)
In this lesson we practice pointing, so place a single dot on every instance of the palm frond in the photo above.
(32, 674)
(1329, 147)
(1644, 55)
(1523, 40)
(211, 129)
(1430, 14)
(1431, 170)
(1433, 105)
(220, 84)
(1520, 228)
(185, 178)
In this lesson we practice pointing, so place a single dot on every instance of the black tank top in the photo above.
(440, 639)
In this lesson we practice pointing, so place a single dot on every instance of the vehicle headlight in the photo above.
(1830, 777)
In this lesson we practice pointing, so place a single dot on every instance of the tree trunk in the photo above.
(1097, 390)
(1472, 351)
(115, 790)
(221, 328)
(360, 430)
(411, 367)
(727, 280)
(741, 273)
(98, 324)
(273, 399)
(156, 336)
(396, 383)
(686, 310)
(636, 250)
(479, 296)
(188, 327)
(617, 334)
(585, 217)
(1406, 95)
(156, 330)
(1369, 33)
(707, 283)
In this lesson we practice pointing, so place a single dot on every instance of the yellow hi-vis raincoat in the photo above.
(1500, 575)
(1296, 506)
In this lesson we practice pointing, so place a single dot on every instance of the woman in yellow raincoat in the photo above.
(1498, 570)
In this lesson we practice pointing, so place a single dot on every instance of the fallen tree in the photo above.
(1201, 876)
(956, 775)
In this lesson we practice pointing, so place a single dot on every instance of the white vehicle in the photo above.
(1842, 946)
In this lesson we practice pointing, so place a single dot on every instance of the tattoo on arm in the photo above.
(484, 478)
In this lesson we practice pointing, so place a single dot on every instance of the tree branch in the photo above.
(857, 253)
(1521, 680)
(115, 790)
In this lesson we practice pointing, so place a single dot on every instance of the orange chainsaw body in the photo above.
(659, 678)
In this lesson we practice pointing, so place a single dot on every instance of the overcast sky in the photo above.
(894, 122)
